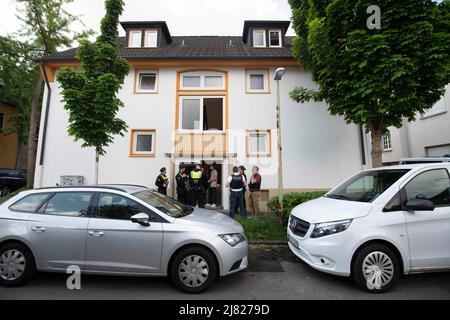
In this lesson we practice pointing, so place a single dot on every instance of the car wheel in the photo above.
(193, 269)
(16, 265)
(376, 268)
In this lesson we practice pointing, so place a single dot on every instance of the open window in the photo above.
(146, 81)
(142, 143)
(275, 38)
(202, 113)
(258, 143)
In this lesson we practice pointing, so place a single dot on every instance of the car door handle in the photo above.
(96, 233)
(38, 229)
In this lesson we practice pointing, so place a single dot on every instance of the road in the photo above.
(271, 275)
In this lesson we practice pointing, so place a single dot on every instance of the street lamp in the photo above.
(278, 75)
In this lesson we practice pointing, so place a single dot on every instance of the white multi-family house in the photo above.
(211, 99)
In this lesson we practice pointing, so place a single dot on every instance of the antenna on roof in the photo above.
(231, 42)
(182, 43)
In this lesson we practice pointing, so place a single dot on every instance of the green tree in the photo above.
(90, 94)
(373, 77)
(47, 27)
(18, 74)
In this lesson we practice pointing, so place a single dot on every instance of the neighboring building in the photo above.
(204, 98)
(428, 136)
(8, 140)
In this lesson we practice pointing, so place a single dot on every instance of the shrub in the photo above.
(291, 200)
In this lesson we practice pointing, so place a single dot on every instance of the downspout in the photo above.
(44, 124)
(362, 146)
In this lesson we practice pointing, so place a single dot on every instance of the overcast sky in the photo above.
(184, 17)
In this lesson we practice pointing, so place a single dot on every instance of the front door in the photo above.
(429, 231)
(58, 230)
(117, 245)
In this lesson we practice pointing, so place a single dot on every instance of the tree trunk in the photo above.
(97, 158)
(32, 134)
(375, 135)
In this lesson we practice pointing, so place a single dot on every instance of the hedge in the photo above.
(291, 200)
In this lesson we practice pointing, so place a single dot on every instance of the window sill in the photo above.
(432, 114)
(387, 150)
(257, 92)
(142, 155)
(145, 92)
(258, 155)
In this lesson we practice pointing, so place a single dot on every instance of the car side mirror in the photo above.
(415, 204)
(141, 218)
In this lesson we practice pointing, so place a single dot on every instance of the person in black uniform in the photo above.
(162, 181)
(237, 183)
(198, 183)
(182, 180)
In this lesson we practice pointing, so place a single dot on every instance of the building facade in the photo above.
(208, 99)
(428, 136)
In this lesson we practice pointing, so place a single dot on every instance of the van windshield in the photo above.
(169, 206)
(366, 186)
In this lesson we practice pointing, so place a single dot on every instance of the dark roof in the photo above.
(192, 47)
(148, 24)
(284, 25)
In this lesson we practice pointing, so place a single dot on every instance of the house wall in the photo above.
(8, 141)
(319, 150)
(429, 135)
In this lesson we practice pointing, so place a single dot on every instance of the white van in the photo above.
(377, 225)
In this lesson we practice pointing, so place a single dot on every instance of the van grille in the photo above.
(298, 227)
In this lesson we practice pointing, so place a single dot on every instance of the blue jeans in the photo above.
(237, 199)
(212, 195)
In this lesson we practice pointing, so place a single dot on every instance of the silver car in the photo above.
(117, 230)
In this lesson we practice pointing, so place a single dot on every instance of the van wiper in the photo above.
(338, 196)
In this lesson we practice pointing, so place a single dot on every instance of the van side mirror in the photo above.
(415, 204)
(141, 218)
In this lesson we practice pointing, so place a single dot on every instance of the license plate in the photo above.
(293, 241)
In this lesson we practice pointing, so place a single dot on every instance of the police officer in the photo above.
(237, 183)
(162, 181)
(182, 180)
(197, 182)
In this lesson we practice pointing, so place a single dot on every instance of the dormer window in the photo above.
(275, 38)
(135, 38)
(151, 38)
(259, 38)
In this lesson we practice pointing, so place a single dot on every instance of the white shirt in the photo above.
(243, 180)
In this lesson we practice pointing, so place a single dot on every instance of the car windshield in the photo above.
(366, 186)
(169, 206)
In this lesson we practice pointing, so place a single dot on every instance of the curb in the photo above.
(268, 242)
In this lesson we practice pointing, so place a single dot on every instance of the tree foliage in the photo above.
(90, 94)
(378, 77)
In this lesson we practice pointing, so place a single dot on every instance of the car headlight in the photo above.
(327, 228)
(233, 238)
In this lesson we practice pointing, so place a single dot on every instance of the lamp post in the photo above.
(278, 75)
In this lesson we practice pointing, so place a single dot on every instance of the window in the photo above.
(2, 120)
(143, 142)
(257, 81)
(191, 81)
(258, 143)
(275, 38)
(147, 81)
(367, 185)
(433, 185)
(259, 38)
(114, 206)
(135, 39)
(72, 204)
(151, 38)
(387, 143)
(167, 205)
(29, 203)
(202, 113)
(195, 80)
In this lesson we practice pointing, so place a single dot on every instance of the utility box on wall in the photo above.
(71, 181)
